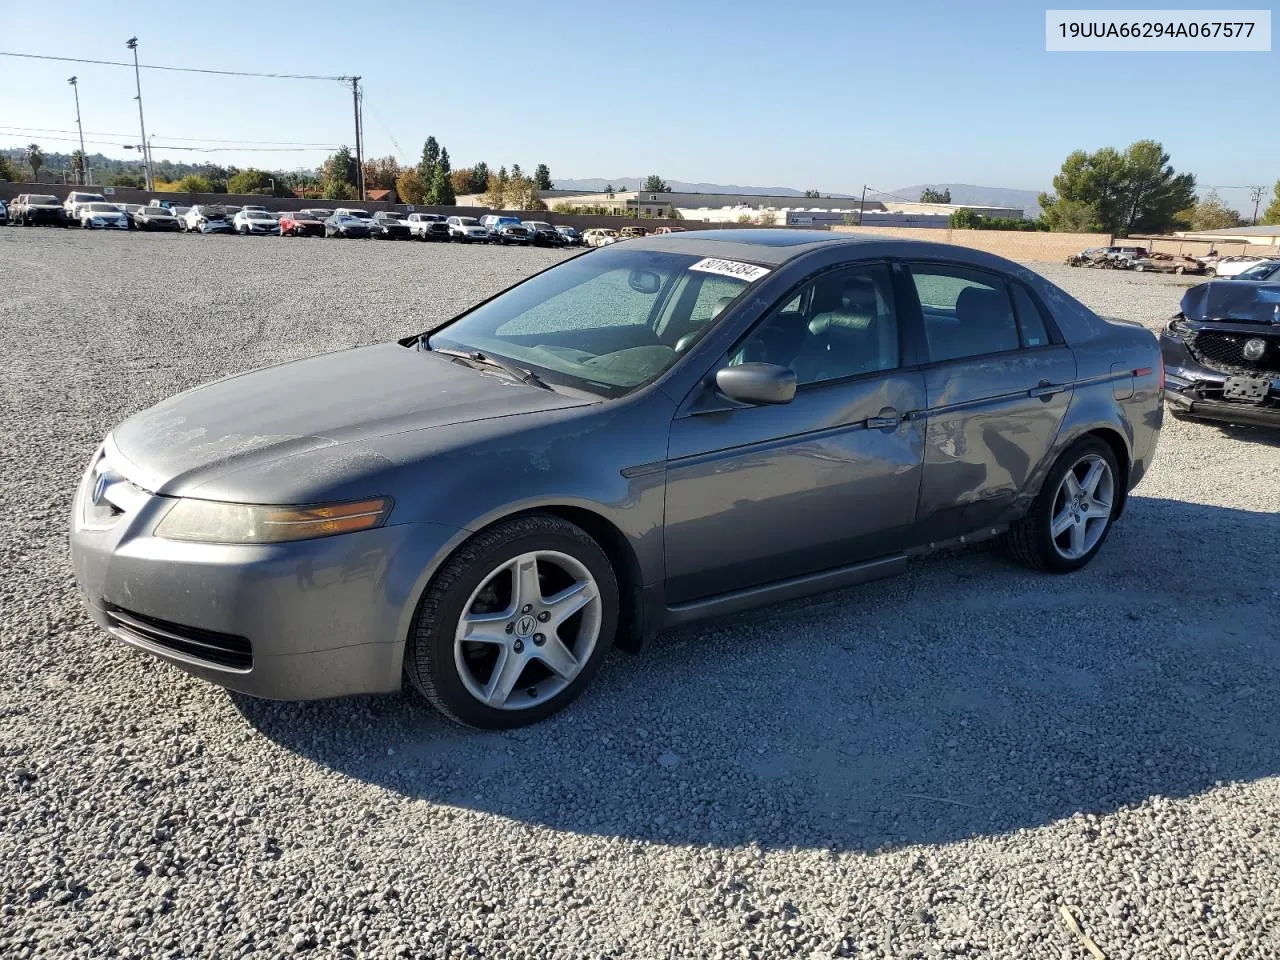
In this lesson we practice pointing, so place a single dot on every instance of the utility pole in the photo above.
(862, 204)
(84, 157)
(355, 104)
(132, 44)
(1255, 194)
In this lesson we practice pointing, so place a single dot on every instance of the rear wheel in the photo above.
(515, 624)
(1070, 519)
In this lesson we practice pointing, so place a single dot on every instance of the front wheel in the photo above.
(515, 624)
(1210, 272)
(1070, 519)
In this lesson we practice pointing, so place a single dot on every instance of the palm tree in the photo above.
(35, 159)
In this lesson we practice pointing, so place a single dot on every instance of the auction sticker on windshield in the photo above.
(731, 268)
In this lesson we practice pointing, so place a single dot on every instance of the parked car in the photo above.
(1120, 257)
(544, 234)
(252, 220)
(1228, 267)
(467, 230)
(208, 218)
(599, 236)
(356, 212)
(428, 226)
(33, 209)
(4, 213)
(301, 223)
(1167, 263)
(571, 235)
(78, 198)
(179, 212)
(102, 216)
(663, 231)
(1268, 271)
(154, 202)
(319, 213)
(345, 226)
(491, 506)
(507, 230)
(628, 233)
(389, 225)
(1222, 353)
(256, 207)
(154, 218)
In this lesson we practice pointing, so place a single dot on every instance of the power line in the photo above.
(170, 146)
(116, 133)
(153, 66)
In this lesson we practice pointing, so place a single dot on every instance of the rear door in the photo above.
(998, 379)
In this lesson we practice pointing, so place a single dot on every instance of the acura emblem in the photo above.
(525, 626)
(1254, 349)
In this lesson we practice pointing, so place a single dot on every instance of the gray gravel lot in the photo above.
(925, 767)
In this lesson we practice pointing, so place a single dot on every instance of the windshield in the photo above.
(1260, 269)
(362, 214)
(607, 322)
(101, 208)
(468, 221)
(1232, 300)
(41, 198)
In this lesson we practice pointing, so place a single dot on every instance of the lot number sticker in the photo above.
(731, 268)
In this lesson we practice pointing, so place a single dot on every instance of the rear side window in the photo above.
(1030, 320)
(967, 313)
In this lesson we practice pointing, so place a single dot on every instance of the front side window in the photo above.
(840, 324)
(967, 313)
(607, 323)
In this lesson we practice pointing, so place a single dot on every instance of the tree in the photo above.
(194, 183)
(516, 172)
(381, 174)
(7, 169)
(479, 178)
(430, 157)
(461, 180)
(338, 174)
(495, 197)
(655, 184)
(1118, 192)
(77, 165)
(35, 159)
(1209, 213)
(409, 186)
(1271, 215)
(608, 188)
(249, 181)
(440, 193)
(963, 219)
(811, 194)
(930, 195)
(542, 177)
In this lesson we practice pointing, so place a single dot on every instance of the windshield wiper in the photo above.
(475, 356)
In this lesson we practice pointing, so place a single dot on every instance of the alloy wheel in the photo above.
(528, 630)
(1082, 507)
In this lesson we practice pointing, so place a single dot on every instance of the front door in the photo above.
(757, 494)
(997, 383)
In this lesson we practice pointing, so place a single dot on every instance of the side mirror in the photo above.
(757, 383)
(644, 281)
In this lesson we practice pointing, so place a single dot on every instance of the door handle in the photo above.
(1044, 390)
(887, 419)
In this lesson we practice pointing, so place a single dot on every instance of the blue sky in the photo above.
(819, 94)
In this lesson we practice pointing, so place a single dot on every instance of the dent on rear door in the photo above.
(987, 436)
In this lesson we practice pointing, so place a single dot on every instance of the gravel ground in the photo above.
(925, 767)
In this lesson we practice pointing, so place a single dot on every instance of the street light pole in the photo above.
(84, 158)
(132, 44)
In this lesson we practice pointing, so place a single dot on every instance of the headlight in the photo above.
(1177, 328)
(209, 521)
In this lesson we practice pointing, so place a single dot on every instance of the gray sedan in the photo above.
(647, 434)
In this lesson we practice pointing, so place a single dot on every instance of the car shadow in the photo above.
(968, 697)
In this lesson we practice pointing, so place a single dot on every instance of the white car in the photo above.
(428, 226)
(1233, 266)
(103, 216)
(467, 230)
(254, 206)
(76, 199)
(599, 236)
(356, 212)
(254, 220)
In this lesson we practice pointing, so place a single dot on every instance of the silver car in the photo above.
(641, 436)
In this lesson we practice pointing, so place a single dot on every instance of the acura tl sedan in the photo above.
(644, 435)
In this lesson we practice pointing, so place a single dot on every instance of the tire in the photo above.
(1031, 541)
(1210, 272)
(1179, 271)
(452, 674)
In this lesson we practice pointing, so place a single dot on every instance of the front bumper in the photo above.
(298, 621)
(1196, 390)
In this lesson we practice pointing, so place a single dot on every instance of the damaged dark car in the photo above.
(1222, 354)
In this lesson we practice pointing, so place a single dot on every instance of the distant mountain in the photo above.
(597, 184)
(968, 193)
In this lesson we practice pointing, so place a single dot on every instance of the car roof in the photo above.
(764, 245)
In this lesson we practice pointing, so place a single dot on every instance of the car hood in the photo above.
(1238, 301)
(332, 400)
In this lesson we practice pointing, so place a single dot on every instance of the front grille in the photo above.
(220, 649)
(1225, 351)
